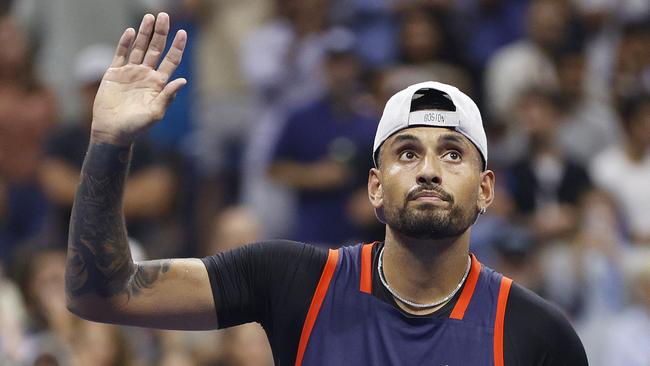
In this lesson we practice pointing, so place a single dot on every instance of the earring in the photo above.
(482, 211)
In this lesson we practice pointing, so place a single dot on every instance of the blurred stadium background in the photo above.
(272, 138)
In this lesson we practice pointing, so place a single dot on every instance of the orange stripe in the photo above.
(499, 320)
(316, 302)
(466, 295)
(365, 284)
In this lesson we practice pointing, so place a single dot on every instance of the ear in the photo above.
(375, 190)
(486, 189)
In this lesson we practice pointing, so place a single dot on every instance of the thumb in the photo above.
(166, 96)
(170, 90)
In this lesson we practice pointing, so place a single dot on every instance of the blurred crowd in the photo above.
(272, 138)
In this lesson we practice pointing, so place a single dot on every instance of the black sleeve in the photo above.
(271, 283)
(537, 334)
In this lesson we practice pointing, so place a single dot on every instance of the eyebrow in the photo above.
(405, 138)
(451, 137)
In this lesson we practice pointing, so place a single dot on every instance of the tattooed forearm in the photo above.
(99, 260)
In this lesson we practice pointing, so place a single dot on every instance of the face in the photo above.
(13, 54)
(342, 74)
(420, 38)
(430, 183)
(547, 22)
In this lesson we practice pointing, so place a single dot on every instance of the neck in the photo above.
(424, 271)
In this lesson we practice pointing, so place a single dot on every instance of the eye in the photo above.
(407, 155)
(453, 156)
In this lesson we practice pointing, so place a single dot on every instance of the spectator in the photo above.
(290, 71)
(627, 336)
(54, 333)
(485, 26)
(151, 186)
(528, 62)
(232, 228)
(375, 24)
(51, 327)
(27, 111)
(631, 75)
(322, 145)
(590, 125)
(582, 272)
(623, 170)
(546, 184)
(287, 76)
(430, 50)
(12, 322)
(63, 28)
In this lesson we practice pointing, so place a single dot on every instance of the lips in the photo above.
(429, 195)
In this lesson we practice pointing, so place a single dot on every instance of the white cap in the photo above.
(92, 62)
(466, 119)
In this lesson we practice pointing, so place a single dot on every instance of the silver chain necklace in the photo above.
(414, 304)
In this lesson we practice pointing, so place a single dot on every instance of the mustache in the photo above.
(444, 195)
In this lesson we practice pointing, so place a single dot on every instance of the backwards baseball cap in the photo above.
(451, 108)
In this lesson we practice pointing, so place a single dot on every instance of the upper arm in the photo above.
(537, 333)
(264, 282)
(166, 294)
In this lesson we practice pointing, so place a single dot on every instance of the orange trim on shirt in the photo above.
(365, 285)
(502, 301)
(468, 291)
(316, 302)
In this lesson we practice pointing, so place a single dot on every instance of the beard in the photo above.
(429, 221)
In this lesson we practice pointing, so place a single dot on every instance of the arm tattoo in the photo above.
(99, 260)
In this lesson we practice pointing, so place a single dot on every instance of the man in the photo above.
(420, 298)
(322, 150)
(630, 159)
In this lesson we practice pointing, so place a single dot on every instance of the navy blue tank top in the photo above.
(347, 325)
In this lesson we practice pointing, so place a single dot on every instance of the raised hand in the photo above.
(135, 91)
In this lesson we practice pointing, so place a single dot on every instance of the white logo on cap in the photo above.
(434, 118)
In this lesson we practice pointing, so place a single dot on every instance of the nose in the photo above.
(429, 173)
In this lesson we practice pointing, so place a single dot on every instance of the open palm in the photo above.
(133, 93)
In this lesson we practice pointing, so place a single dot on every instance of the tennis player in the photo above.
(417, 298)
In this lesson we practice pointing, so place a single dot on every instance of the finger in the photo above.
(142, 40)
(167, 95)
(170, 90)
(157, 44)
(123, 46)
(174, 55)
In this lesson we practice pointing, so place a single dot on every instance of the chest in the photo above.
(353, 327)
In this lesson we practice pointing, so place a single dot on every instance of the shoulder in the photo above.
(612, 154)
(607, 164)
(274, 253)
(535, 330)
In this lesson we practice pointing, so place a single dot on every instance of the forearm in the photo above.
(294, 175)
(59, 180)
(150, 193)
(99, 261)
(318, 176)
